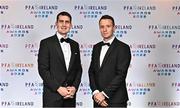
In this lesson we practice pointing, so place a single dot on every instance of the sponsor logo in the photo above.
(140, 88)
(176, 9)
(33, 48)
(17, 103)
(163, 104)
(84, 88)
(141, 50)
(176, 85)
(164, 69)
(79, 104)
(17, 30)
(139, 11)
(164, 31)
(90, 11)
(3, 85)
(35, 87)
(3, 8)
(16, 69)
(3, 47)
(176, 47)
(41, 11)
(86, 49)
(122, 30)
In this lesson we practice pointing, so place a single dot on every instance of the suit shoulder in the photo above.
(123, 44)
(75, 42)
(48, 38)
(97, 44)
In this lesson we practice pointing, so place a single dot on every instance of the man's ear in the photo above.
(114, 28)
(71, 26)
(56, 23)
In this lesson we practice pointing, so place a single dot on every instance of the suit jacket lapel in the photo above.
(73, 53)
(98, 54)
(59, 50)
(108, 52)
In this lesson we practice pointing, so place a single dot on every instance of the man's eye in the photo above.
(67, 22)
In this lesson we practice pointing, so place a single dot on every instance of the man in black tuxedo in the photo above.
(59, 65)
(108, 69)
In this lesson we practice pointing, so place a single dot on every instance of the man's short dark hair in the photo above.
(64, 13)
(107, 17)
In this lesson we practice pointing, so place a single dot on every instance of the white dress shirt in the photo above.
(104, 50)
(66, 49)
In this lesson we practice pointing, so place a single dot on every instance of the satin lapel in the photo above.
(73, 53)
(59, 50)
(108, 52)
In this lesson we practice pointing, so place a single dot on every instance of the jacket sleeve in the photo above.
(91, 72)
(44, 66)
(78, 70)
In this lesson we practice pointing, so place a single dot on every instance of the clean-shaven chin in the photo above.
(63, 34)
(106, 38)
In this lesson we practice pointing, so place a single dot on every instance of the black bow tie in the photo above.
(108, 44)
(64, 40)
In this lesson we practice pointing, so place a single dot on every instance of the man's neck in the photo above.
(107, 39)
(62, 35)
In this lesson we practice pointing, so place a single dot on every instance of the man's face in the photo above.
(106, 28)
(63, 25)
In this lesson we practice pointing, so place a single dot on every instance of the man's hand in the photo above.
(68, 96)
(63, 91)
(104, 103)
(72, 90)
(98, 97)
(67, 92)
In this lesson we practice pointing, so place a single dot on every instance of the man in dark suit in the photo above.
(108, 69)
(59, 65)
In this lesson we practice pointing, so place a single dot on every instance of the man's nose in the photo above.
(105, 29)
(63, 23)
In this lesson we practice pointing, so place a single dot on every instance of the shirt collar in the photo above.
(59, 36)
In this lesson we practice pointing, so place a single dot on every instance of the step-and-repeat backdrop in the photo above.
(150, 27)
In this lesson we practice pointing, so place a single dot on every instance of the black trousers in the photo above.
(113, 105)
(70, 103)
